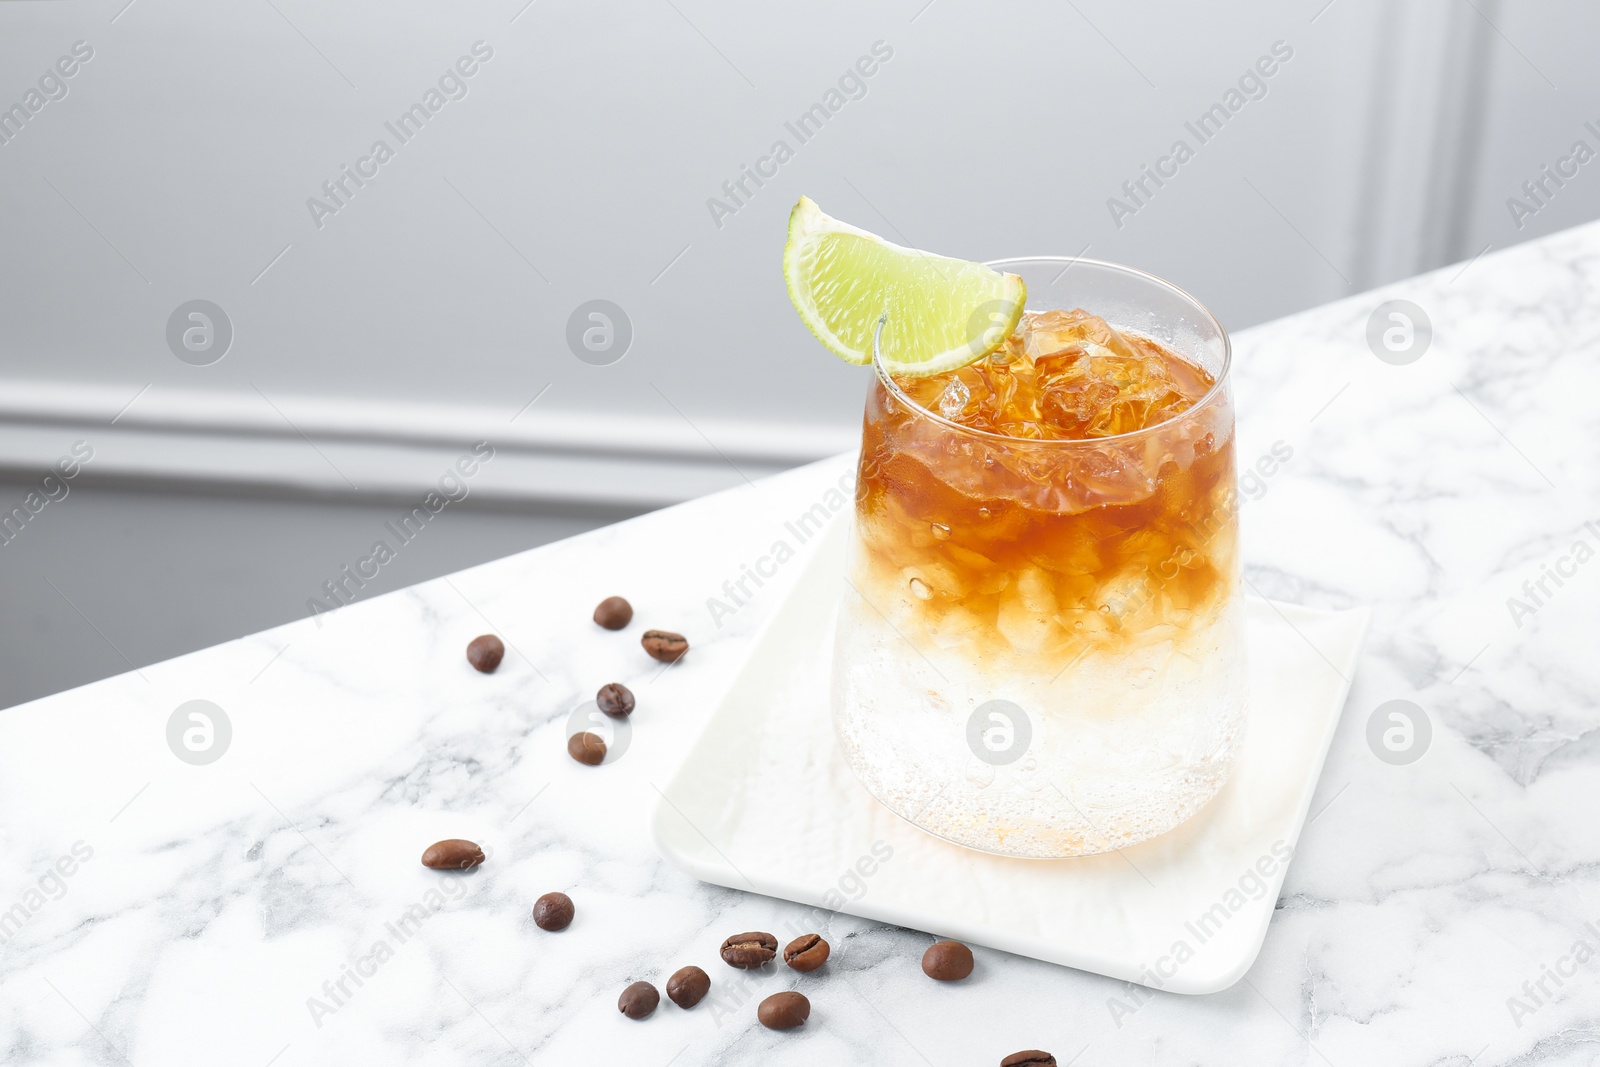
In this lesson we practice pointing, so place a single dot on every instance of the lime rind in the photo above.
(939, 313)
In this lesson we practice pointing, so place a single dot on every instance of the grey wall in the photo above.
(108, 579)
(578, 165)
(580, 161)
(1541, 92)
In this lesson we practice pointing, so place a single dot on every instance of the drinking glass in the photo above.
(1039, 649)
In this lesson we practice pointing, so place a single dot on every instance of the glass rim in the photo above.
(1216, 390)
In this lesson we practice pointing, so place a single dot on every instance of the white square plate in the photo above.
(765, 802)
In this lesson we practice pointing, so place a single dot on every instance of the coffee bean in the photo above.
(638, 1000)
(587, 748)
(784, 1011)
(453, 854)
(748, 951)
(947, 961)
(613, 613)
(806, 953)
(616, 700)
(664, 645)
(553, 911)
(688, 986)
(1030, 1058)
(486, 652)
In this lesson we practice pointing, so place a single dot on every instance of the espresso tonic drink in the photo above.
(1039, 650)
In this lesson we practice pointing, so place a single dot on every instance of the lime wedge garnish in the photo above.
(938, 313)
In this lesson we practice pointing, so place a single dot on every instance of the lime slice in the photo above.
(937, 313)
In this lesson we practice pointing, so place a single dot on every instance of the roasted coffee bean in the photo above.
(748, 951)
(688, 986)
(587, 748)
(553, 911)
(452, 855)
(806, 953)
(638, 1000)
(616, 700)
(784, 1011)
(1030, 1058)
(947, 961)
(664, 645)
(613, 613)
(486, 652)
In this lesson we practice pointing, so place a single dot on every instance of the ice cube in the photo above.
(957, 626)
(953, 400)
(1026, 611)
(1127, 592)
(1087, 390)
(1049, 332)
(1064, 375)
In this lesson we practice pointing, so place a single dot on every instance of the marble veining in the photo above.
(1441, 912)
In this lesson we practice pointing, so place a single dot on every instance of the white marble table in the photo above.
(158, 913)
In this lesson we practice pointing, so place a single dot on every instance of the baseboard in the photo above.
(382, 449)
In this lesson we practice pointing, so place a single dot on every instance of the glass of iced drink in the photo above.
(1040, 649)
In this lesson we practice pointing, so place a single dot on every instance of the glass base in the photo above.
(1112, 751)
